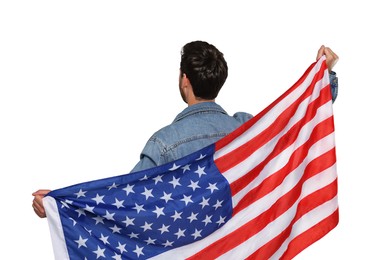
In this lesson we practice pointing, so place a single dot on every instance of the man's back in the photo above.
(194, 128)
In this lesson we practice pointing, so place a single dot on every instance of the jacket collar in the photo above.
(204, 107)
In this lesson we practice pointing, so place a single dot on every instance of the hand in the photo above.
(37, 202)
(331, 57)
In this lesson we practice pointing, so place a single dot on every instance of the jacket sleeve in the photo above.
(150, 156)
(334, 82)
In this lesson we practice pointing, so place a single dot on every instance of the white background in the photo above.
(83, 85)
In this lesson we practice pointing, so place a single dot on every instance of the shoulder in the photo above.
(242, 117)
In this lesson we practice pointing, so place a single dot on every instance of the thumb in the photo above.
(320, 52)
(41, 192)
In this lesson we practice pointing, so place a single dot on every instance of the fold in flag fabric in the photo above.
(268, 190)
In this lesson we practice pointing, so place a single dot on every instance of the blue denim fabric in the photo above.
(194, 128)
(197, 126)
(334, 82)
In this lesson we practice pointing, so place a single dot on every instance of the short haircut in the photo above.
(205, 67)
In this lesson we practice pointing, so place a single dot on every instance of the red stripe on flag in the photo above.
(311, 235)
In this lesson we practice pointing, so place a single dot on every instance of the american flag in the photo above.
(266, 191)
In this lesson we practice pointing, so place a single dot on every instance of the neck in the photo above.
(198, 100)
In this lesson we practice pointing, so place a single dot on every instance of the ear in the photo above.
(185, 83)
(186, 87)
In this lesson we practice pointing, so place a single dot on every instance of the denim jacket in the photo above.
(196, 127)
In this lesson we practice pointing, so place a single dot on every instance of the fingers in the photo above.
(320, 52)
(330, 54)
(37, 205)
(331, 58)
(37, 202)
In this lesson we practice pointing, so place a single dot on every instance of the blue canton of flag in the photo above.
(139, 215)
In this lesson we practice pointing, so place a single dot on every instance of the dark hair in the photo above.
(205, 67)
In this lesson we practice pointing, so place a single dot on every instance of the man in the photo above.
(203, 71)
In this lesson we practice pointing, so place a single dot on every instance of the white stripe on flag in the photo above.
(56, 230)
